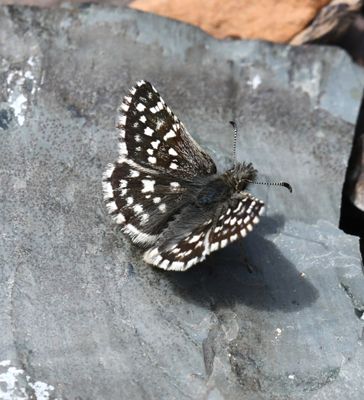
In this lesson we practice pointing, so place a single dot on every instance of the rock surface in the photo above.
(82, 316)
(265, 19)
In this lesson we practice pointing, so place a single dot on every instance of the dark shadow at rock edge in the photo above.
(352, 217)
(252, 271)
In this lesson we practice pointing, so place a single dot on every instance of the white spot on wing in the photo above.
(177, 266)
(195, 238)
(111, 206)
(155, 144)
(172, 152)
(148, 185)
(110, 169)
(138, 208)
(119, 218)
(140, 107)
(214, 246)
(164, 264)
(148, 131)
(169, 135)
(107, 189)
(139, 237)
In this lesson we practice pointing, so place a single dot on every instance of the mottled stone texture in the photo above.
(277, 316)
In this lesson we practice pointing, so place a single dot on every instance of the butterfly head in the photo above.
(240, 175)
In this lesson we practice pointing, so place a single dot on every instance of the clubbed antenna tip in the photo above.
(284, 184)
(287, 185)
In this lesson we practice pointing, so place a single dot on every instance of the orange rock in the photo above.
(274, 20)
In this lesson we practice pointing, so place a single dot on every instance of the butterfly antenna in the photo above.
(233, 124)
(284, 184)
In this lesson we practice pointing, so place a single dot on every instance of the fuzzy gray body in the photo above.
(165, 192)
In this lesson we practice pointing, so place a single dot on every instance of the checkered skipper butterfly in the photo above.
(164, 189)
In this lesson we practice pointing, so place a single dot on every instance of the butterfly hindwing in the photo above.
(219, 227)
(184, 243)
(235, 220)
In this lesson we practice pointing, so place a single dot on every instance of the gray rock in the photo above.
(82, 316)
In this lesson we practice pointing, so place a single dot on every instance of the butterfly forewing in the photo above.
(157, 161)
(152, 136)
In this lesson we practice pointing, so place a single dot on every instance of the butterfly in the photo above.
(164, 189)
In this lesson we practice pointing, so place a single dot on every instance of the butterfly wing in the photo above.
(195, 234)
(153, 137)
(158, 160)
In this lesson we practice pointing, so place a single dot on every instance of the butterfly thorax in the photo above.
(222, 187)
(239, 177)
(215, 191)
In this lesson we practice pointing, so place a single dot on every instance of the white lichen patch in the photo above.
(15, 386)
(18, 83)
(255, 82)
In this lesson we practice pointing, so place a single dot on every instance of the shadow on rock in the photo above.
(252, 271)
